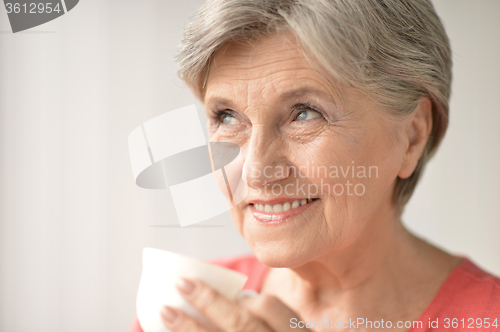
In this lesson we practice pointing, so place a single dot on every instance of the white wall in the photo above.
(457, 205)
(72, 222)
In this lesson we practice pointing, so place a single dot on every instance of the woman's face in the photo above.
(319, 171)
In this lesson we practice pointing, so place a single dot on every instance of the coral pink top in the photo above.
(468, 297)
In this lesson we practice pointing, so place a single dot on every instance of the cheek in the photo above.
(237, 218)
(353, 178)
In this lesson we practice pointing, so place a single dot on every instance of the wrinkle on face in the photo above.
(260, 84)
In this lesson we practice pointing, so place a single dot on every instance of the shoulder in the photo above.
(247, 264)
(475, 283)
(469, 291)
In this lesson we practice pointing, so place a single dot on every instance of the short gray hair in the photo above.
(395, 49)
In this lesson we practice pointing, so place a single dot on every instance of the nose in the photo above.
(265, 160)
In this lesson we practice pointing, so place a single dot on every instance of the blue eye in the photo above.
(228, 119)
(307, 115)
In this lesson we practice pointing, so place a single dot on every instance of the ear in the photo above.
(417, 133)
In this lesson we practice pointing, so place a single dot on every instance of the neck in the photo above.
(353, 266)
(390, 267)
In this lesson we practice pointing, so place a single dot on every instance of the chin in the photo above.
(289, 244)
(282, 254)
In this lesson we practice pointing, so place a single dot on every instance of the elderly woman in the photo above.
(337, 105)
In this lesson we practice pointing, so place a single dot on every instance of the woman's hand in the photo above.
(263, 313)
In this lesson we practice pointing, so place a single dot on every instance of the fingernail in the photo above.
(246, 293)
(186, 286)
(169, 314)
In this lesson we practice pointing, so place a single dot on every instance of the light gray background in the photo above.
(72, 222)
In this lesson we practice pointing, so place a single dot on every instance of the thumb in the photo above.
(273, 311)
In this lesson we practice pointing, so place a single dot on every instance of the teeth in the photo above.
(277, 208)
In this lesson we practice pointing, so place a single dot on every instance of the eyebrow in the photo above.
(284, 96)
(221, 101)
(304, 91)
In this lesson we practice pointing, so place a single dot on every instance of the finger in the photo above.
(246, 293)
(274, 312)
(226, 314)
(177, 321)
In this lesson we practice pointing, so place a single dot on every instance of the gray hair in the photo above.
(396, 50)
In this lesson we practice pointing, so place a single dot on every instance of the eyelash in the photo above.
(305, 107)
(217, 114)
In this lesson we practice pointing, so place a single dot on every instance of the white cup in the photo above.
(161, 270)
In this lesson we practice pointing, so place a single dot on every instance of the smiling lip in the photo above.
(273, 218)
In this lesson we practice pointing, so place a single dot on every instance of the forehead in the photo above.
(275, 64)
(256, 57)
